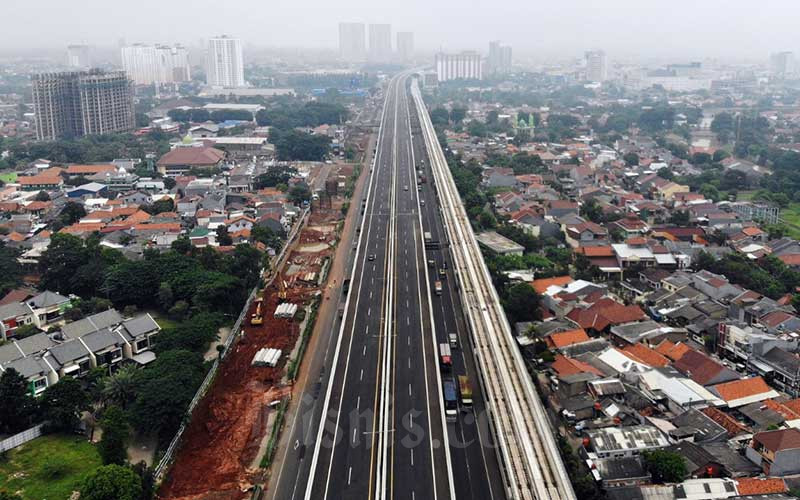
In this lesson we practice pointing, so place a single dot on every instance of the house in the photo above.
(634, 252)
(704, 370)
(106, 348)
(71, 358)
(499, 244)
(91, 189)
(619, 472)
(45, 181)
(699, 462)
(696, 427)
(13, 315)
(585, 231)
(631, 226)
(138, 333)
(743, 392)
(74, 171)
(182, 159)
(777, 452)
(48, 307)
(620, 442)
(564, 339)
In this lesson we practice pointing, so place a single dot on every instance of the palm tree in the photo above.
(119, 388)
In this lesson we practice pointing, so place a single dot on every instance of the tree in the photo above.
(116, 432)
(522, 303)
(631, 159)
(42, 196)
(299, 194)
(7, 495)
(457, 115)
(71, 213)
(592, 211)
(164, 391)
(169, 182)
(266, 236)
(666, 173)
(710, 192)
(160, 206)
(120, 388)
(440, 116)
(300, 146)
(18, 408)
(62, 404)
(679, 218)
(25, 331)
(477, 128)
(665, 466)
(223, 237)
(112, 482)
(275, 176)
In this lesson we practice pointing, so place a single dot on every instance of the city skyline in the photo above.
(730, 35)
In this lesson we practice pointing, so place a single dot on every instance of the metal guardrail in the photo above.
(277, 263)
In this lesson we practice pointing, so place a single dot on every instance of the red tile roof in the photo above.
(782, 439)
(671, 350)
(597, 251)
(699, 367)
(568, 366)
(760, 486)
(733, 426)
(563, 339)
(541, 285)
(643, 354)
(90, 169)
(743, 388)
(192, 157)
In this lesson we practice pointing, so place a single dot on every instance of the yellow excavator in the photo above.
(257, 318)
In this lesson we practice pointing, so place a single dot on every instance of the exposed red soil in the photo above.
(228, 425)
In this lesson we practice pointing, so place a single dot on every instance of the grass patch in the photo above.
(294, 364)
(266, 460)
(50, 467)
(791, 218)
(7, 177)
(165, 323)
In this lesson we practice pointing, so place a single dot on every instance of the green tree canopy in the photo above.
(116, 432)
(522, 303)
(18, 407)
(164, 391)
(665, 466)
(112, 482)
(62, 404)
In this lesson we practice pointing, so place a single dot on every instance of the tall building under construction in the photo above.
(74, 104)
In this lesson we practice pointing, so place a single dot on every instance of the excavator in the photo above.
(257, 318)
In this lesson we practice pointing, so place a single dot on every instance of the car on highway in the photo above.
(422, 202)
(371, 257)
(405, 188)
(453, 338)
(442, 273)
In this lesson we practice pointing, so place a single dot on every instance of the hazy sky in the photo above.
(742, 29)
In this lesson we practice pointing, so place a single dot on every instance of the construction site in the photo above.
(221, 455)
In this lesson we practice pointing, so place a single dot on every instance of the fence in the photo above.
(169, 455)
(21, 438)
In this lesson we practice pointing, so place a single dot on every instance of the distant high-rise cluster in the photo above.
(73, 104)
(405, 46)
(380, 42)
(352, 46)
(596, 66)
(465, 65)
(79, 56)
(781, 64)
(149, 64)
(499, 60)
(225, 63)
